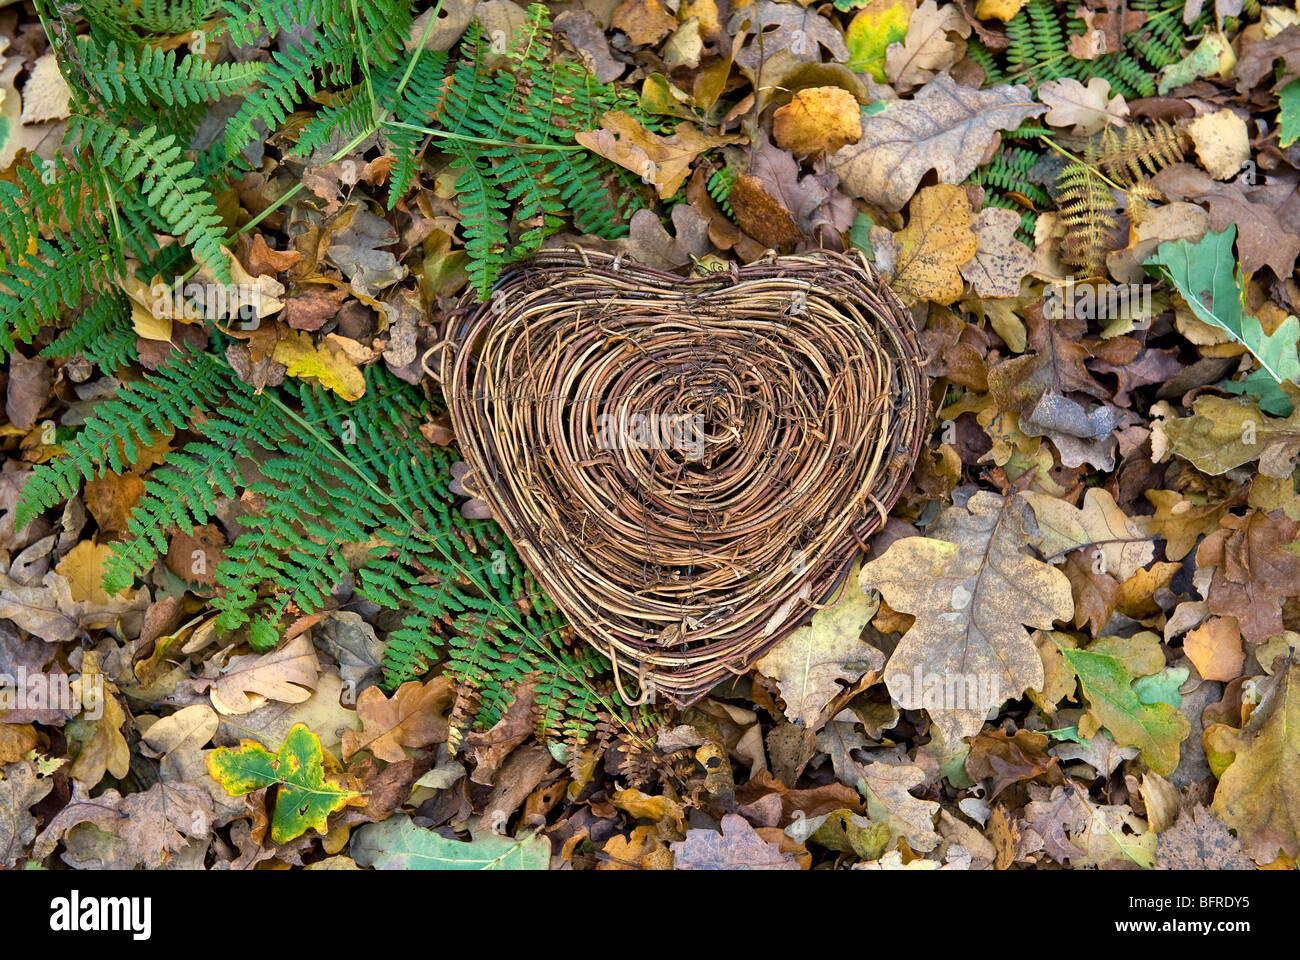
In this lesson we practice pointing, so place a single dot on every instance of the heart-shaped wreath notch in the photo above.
(687, 465)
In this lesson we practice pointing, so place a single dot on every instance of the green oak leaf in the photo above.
(1156, 729)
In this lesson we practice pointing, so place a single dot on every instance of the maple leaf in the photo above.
(307, 795)
(971, 586)
(929, 251)
(944, 127)
(662, 161)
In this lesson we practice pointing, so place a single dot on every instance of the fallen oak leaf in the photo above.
(1200, 841)
(971, 586)
(1257, 794)
(926, 47)
(327, 362)
(414, 717)
(288, 675)
(1001, 261)
(944, 127)
(808, 663)
(889, 801)
(20, 790)
(785, 27)
(1254, 571)
(1122, 546)
(737, 847)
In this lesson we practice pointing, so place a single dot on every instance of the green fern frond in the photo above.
(112, 439)
(289, 76)
(44, 195)
(719, 188)
(155, 168)
(35, 287)
(156, 17)
(248, 21)
(120, 75)
(101, 334)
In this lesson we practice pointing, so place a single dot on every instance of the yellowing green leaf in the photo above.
(398, 844)
(875, 27)
(325, 361)
(1154, 728)
(306, 796)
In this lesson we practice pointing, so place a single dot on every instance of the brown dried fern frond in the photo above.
(1087, 211)
(1142, 151)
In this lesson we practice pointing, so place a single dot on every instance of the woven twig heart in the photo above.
(687, 465)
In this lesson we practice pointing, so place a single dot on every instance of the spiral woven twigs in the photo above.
(686, 465)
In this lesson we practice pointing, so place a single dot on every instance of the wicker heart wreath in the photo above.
(686, 465)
